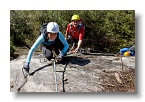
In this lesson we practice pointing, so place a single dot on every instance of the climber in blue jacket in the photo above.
(127, 51)
(51, 39)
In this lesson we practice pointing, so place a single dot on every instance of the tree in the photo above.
(106, 30)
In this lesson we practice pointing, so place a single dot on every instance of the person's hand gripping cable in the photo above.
(60, 56)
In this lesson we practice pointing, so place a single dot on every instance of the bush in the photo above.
(105, 30)
(12, 48)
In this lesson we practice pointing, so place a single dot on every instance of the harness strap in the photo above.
(79, 28)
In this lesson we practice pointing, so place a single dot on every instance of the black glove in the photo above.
(26, 67)
(60, 56)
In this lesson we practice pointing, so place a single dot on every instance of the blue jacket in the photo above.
(131, 49)
(123, 50)
(41, 40)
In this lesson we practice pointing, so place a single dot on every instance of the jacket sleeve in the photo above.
(34, 47)
(62, 39)
(124, 50)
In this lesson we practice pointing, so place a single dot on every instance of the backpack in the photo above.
(43, 30)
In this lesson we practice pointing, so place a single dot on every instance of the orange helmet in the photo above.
(127, 54)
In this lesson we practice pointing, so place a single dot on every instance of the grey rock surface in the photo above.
(81, 73)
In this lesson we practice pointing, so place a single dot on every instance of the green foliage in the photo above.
(12, 48)
(106, 30)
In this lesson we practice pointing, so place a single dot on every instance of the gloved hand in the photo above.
(26, 67)
(60, 56)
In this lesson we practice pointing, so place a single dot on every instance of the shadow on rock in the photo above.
(75, 60)
(40, 69)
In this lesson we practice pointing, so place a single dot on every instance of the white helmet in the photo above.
(52, 27)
